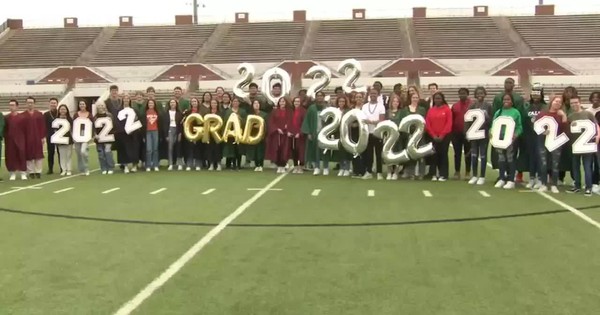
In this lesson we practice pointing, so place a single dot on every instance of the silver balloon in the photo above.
(416, 122)
(351, 69)
(274, 74)
(388, 131)
(325, 137)
(247, 71)
(322, 77)
(358, 147)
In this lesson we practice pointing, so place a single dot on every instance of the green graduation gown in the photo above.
(256, 152)
(310, 127)
(228, 147)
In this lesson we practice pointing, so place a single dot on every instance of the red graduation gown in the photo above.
(277, 144)
(35, 131)
(15, 143)
(294, 126)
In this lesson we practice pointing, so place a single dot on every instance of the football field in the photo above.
(264, 243)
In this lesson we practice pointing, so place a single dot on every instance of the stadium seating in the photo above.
(560, 35)
(41, 101)
(360, 39)
(258, 42)
(152, 45)
(461, 37)
(46, 47)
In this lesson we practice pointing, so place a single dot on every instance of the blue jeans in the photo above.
(152, 148)
(479, 150)
(587, 169)
(506, 163)
(105, 156)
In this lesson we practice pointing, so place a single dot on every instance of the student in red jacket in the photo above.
(459, 141)
(438, 124)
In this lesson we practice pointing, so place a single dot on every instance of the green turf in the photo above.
(294, 253)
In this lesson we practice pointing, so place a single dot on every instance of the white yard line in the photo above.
(259, 189)
(111, 190)
(427, 193)
(209, 191)
(176, 266)
(63, 190)
(316, 192)
(158, 191)
(483, 193)
(371, 193)
(35, 186)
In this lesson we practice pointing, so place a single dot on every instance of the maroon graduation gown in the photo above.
(277, 144)
(35, 131)
(15, 143)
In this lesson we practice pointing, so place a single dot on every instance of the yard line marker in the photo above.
(371, 193)
(37, 186)
(427, 193)
(483, 193)
(526, 191)
(316, 192)
(176, 266)
(209, 191)
(158, 191)
(259, 189)
(110, 190)
(572, 209)
(63, 190)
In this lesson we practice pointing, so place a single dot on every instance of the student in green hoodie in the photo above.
(1, 136)
(506, 157)
(184, 104)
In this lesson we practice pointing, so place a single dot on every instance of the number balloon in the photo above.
(193, 128)
(247, 71)
(82, 130)
(388, 131)
(477, 116)
(509, 131)
(130, 117)
(416, 123)
(552, 141)
(325, 137)
(351, 69)
(272, 74)
(254, 122)
(212, 126)
(584, 143)
(358, 147)
(322, 76)
(106, 125)
(60, 135)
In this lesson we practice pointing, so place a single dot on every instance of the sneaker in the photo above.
(473, 180)
(325, 172)
(341, 173)
(188, 169)
(543, 188)
(104, 172)
(509, 185)
(156, 169)
(300, 171)
(111, 172)
(434, 179)
(211, 168)
(134, 169)
(256, 169)
(260, 168)
(481, 181)
(442, 179)
(24, 176)
(317, 171)
(573, 190)
(218, 167)
(198, 168)
(379, 176)
(394, 176)
(12, 177)
(588, 193)
(68, 173)
(367, 176)
(389, 176)
(500, 184)
(147, 169)
(180, 168)
(538, 184)
(170, 168)
(87, 173)
(63, 173)
(554, 189)
(530, 184)
(126, 170)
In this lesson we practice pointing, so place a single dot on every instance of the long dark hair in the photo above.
(440, 94)
(69, 118)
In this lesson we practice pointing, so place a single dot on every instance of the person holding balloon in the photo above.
(213, 149)
(344, 157)
(82, 149)
(277, 137)
(171, 129)
(414, 167)
(556, 117)
(507, 127)
(375, 112)
(311, 126)
(296, 139)
(531, 113)
(479, 139)
(393, 114)
(358, 168)
(192, 149)
(438, 124)
(65, 151)
(104, 145)
(232, 149)
(256, 152)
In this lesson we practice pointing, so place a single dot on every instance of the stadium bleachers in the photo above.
(461, 37)
(258, 42)
(560, 35)
(46, 47)
(152, 45)
(361, 39)
(40, 104)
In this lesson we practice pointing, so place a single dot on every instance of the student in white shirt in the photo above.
(375, 113)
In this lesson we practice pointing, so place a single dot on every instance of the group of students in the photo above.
(293, 126)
